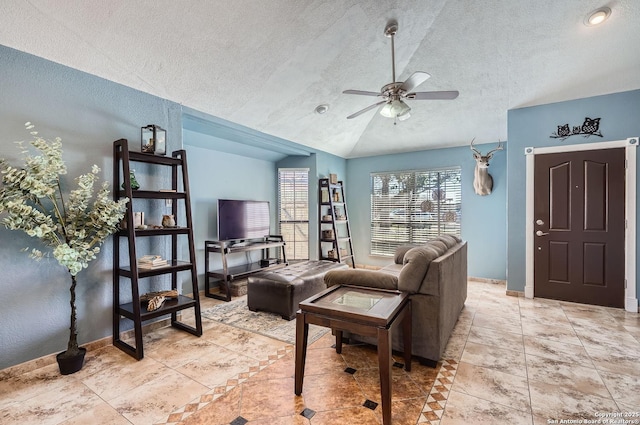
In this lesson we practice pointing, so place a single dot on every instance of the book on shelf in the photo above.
(150, 258)
(148, 266)
(151, 261)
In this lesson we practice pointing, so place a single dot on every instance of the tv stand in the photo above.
(241, 243)
(223, 277)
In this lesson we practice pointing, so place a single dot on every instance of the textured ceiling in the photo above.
(267, 65)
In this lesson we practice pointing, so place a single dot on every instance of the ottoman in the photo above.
(281, 290)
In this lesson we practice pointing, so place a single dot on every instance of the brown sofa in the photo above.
(435, 274)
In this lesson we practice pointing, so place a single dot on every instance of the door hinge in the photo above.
(625, 284)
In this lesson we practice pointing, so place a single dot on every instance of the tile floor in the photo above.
(509, 361)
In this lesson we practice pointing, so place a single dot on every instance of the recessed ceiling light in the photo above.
(321, 109)
(597, 17)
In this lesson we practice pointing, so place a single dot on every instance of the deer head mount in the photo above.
(482, 180)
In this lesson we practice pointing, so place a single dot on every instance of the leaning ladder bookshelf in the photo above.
(335, 233)
(134, 310)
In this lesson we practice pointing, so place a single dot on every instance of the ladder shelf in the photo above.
(125, 241)
(335, 232)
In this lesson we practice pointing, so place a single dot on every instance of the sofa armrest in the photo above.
(356, 277)
(448, 269)
(416, 264)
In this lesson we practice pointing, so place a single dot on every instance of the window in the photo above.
(411, 207)
(293, 211)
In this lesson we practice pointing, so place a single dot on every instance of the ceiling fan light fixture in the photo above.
(405, 116)
(386, 111)
(395, 109)
(597, 17)
(402, 108)
(394, 93)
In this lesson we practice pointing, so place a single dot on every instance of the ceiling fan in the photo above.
(394, 94)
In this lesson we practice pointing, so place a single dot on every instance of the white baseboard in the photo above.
(487, 280)
(631, 305)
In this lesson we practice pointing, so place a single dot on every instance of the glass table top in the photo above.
(358, 300)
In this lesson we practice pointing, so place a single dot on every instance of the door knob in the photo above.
(541, 233)
(539, 222)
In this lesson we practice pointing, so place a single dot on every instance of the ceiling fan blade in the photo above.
(414, 81)
(433, 95)
(365, 93)
(368, 108)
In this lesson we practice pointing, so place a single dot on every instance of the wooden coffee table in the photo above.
(363, 311)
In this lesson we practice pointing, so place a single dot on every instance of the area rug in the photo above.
(236, 313)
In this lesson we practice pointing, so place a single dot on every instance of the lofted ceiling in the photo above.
(267, 65)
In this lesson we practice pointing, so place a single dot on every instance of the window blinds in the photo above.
(293, 211)
(411, 207)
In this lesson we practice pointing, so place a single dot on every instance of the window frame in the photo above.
(409, 207)
(292, 245)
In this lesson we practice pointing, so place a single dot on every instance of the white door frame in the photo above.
(630, 145)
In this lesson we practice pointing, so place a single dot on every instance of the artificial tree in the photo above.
(70, 226)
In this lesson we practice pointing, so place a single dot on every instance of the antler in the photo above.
(499, 148)
(476, 151)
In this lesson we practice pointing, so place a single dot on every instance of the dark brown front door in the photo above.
(579, 225)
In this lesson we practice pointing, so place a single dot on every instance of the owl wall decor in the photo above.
(590, 127)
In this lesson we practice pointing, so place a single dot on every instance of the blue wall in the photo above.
(531, 127)
(483, 221)
(219, 175)
(88, 113)
(246, 175)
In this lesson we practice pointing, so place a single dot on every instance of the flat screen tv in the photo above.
(239, 219)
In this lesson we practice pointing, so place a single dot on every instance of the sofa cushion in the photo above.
(439, 246)
(416, 264)
(361, 277)
(449, 240)
(400, 252)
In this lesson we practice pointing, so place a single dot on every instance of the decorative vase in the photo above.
(69, 365)
(168, 221)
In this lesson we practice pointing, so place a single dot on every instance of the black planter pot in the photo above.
(69, 365)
